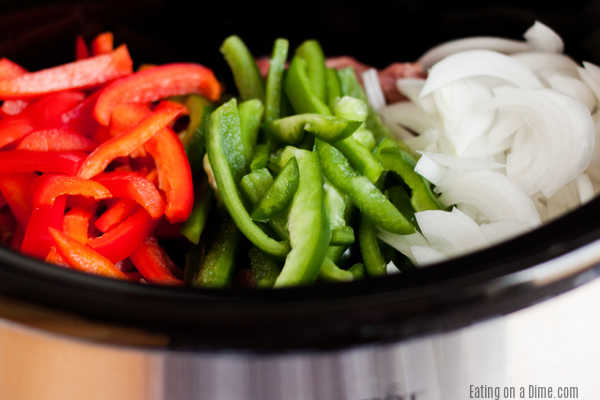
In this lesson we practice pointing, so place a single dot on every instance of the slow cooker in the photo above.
(516, 320)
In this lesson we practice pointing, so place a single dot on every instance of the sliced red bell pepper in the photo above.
(56, 140)
(157, 83)
(126, 116)
(154, 264)
(125, 144)
(103, 43)
(83, 258)
(77, 222)
(45, 113)
(55, 258)
(79, 74)
(17, 190)
(49, 187)
(81, 49)
(9, 69)
(37, 240)
(115, 214)
(133, 186)
(174, 174)
(60, 162)
(81, 119)
(119, 242)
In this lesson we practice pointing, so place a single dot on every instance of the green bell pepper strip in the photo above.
(260, 159)
(255, 184)
(351, 87)
(299, 91)
(365, 138)
(251, 113)
(330, 272)
(246, 74)
(361, 158)
(224, 123)
(402, 164)
(343, 235)
(275, 80)
(402, 201)
(369, 248)
(265, 269)
(334, 91)
(307, 225)
(194, 137)
(290, 130)
(358, 271)
(216, 267)
(194, 226)
(363, 193)
(279, 194)
(312, 53)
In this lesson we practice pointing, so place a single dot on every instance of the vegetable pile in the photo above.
(91, 171)
(302, 175)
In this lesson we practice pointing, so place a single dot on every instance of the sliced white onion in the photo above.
(452, 232)
(373, 89)
(425, 255)
(427, 141)
(461, 163)
(590, 77)
(459, 106)
(499, 44)
(501, 230)
(430, 169)
(411, 88)
(408, 115)
(403, 243)
(585, 189)
(573, 88)
(541, 37)
(391, 268)
(563, 200)
(479, 63)
(558, 128)
(538, 61)
(492, 194)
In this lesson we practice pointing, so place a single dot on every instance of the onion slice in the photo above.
(373, 89)
(475, 63)
(446, 49)
(573, 88)
(543, 38)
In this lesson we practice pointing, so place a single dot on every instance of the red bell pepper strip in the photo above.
(13, 129)
(56, 140)
(174, 174)
(133, 186)
(9, 69)
(79, 74)
(103, 43)
(115, 214)
(125, 144)
(83, 258)
(37, 240)
(75, 225)
(126, 116)
(55, 258)
(154, 264)
(17, 190)
(80, 118)
(60, 162)
(157, 83)
(50, 187)
(42, 114)
(118, 243)
(81, 49)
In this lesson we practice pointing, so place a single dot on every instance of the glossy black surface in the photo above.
(442, 297)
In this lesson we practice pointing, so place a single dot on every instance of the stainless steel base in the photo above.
(552, 344)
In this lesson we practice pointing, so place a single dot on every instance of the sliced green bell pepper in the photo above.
(279, 194)
(246, 74)
(290, 130)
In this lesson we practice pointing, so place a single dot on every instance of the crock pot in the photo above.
(516, 316)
